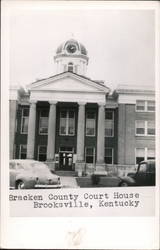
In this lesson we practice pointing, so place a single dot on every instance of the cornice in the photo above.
(83, 79)
(73, 56)
(134, 91)
(67, 91)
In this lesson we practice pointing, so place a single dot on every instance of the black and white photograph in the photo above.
(82, 102)
(83, 114)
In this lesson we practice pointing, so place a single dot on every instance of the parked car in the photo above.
(144, 176)
(30, 174)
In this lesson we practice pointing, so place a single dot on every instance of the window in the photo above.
(24, 120)
(22, 151)
(67, 122)
(109, 124)
(151, 128)
(42, 153)
(145, 106)
(63, 123)
(140, 155)
(43, 122)
(151, 106)
(66, 149)
(90, 123)
(140, 127)
(90, 155)
(20, 165)
(70, 67)
(140, 105)
(145, 128)
(109, 155)
(71, 123)
(12, 165)
(143, 168)
(151, 154)
(144, 154)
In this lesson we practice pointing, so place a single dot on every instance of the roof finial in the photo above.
(72, 35)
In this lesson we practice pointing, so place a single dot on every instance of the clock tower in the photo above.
(71, 56)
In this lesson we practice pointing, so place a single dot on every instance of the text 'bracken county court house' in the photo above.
(75, 123)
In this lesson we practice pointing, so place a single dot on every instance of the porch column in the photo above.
(100, 135)
(31, 131)
(80, 133)
(51, 132)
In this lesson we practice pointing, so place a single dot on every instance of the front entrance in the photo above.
(66, 159)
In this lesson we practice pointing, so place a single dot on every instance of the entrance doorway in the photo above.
(66, 158)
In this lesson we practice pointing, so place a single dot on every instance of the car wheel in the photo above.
(123, 184)
(19, 185)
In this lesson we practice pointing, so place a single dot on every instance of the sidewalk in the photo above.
(69, 182)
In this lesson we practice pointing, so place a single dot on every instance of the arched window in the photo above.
(70, 67)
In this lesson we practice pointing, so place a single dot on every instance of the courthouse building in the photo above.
(76, 123)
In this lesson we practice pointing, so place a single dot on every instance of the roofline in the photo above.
(134, 91)
(132, 88)
(71, 73)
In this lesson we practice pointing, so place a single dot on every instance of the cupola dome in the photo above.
(74, 45)
(71, 56)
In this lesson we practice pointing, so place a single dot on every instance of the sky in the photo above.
(120, 43)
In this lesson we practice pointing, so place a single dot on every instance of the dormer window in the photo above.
(70, 67)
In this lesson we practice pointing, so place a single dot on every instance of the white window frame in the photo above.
(145, 128)
(39, 150)
(94, 155)
(112, 155)
(112, 123)
(145, 106)
(22, 116)
(67, 123)
(20, 149)
(94, 124)
(40, 133)
(145, 153)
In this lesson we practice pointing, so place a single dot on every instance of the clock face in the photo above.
(71, 48)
